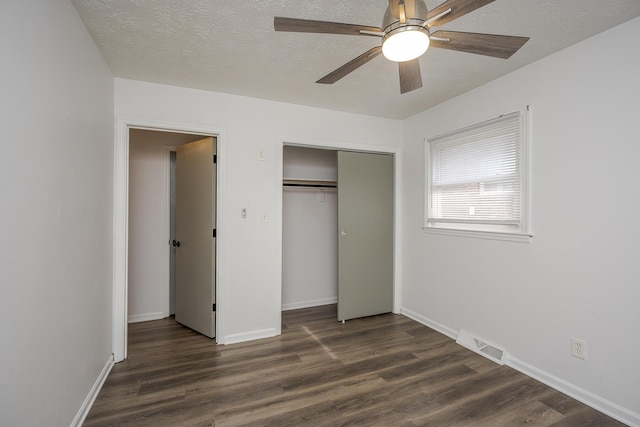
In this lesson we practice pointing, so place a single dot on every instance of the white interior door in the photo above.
(172, 232)
(195, 225)
(365, 241)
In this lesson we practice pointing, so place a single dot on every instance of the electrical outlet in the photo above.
(579, 348)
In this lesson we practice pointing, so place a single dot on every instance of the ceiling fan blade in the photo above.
(350, 66)
(410, 76)
(482, 44)
(458, 9)
(309, 26)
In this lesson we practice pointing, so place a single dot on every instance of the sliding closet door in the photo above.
(365, 241)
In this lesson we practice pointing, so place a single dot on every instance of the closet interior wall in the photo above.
(310, 228)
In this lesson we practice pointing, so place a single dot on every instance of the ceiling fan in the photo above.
(406, 35)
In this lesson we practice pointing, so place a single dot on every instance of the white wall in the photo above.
(56, 172)
(249, 248)
(579, 276)
(149, 222)
(309, 230)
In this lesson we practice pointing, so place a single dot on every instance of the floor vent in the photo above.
(481, 347)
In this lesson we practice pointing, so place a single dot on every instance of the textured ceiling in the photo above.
(231, 47)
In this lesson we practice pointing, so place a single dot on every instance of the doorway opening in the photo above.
(151, 258)
(122, 199)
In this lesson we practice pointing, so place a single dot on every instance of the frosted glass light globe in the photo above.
(405, 45)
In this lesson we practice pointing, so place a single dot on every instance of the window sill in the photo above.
(490, 235)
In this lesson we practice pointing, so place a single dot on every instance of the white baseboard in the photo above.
(248, 336)
(310, 303)
(605, 406)
(588, 398)
(78, 420)
(134, 318)
(451, 333)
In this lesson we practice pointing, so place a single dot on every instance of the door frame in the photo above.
(166, 276)
(397, 208)
(121, 223)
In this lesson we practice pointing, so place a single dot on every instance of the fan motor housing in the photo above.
(410, 25)
(419, 15)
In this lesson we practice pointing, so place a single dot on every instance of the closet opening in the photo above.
(309, 227)
(338, 230)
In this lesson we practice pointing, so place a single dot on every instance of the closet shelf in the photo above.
(310, 183)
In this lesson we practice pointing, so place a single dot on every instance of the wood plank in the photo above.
(377, 371)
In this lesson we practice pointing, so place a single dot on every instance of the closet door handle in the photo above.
(175, 243)
(343, 233)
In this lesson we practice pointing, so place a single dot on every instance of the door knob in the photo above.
(343, 233)
(176, 243)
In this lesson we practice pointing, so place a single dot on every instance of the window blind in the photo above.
(474, 175)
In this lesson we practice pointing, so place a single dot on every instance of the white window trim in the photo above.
(476, 234)
(525, 233)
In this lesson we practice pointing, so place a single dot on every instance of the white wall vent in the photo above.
(480, 346)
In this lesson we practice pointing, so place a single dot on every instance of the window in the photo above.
(476, 180)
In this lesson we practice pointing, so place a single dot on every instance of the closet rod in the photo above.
(311, 185)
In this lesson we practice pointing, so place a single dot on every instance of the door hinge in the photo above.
(214, 232)
(215, 158)
(214, 307)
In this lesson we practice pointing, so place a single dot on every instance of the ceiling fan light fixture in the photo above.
(405, 43)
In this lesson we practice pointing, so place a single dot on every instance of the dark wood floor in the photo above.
(379, 371)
